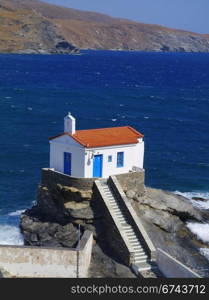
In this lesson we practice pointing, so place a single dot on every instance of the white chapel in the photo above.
(98, 152)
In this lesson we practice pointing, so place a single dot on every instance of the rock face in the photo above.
(54, 220)
(31, 26)
(26, 31)
(164, 216)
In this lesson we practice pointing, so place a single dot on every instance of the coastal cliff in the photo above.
(54, 220)
(31, 26)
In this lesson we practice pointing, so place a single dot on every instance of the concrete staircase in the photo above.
(139, 255)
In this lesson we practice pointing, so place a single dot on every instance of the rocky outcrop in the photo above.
(165, 216)
(54, 220)
(31, 26)
(26, 31)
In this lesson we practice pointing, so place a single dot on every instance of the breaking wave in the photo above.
(10, 235)
(200, 204)
(205, 252)
(9, 229)
(200, 230)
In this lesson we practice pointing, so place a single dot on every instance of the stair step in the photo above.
(129, 233)
(132, 238)
(140, 256)
(139, 252)
(144, 268)
(129, 230)
(136, 247)
(135, 244)
(141, 260)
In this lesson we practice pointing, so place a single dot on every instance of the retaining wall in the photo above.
(34, 262)
(172, 268)
(132, 181)
(51, 178)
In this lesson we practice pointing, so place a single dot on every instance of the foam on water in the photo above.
(10, 235)
(200, 230)
(9, 228)
(16, 213)
(196, 203)
(205, 252)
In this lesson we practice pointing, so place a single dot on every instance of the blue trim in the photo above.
(120, 159)
(109, 158)
(67, 163)
(97, 165)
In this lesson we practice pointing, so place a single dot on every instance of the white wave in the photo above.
(10, 235)
(16, 213)
(200, 230)
(205, 252)
(199, 204)
(114, 120)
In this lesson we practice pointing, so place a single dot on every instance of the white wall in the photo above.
(66, 144)
(34, 262)
(133, 156)
(82, 159)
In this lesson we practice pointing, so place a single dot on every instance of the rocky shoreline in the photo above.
(54, 220)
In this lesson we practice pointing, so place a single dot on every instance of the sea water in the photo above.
(163, 95)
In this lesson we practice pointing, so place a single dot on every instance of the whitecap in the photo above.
(196, 203)
(29, 108)
(10, 235)
(204, 252)
(200, 230)
(16, 213)
(146, 117)
(114, 120)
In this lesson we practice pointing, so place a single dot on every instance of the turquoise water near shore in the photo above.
(163, 95)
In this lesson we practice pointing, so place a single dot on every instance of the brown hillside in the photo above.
(34, 26)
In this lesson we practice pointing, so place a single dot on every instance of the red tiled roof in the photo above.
(103, 137)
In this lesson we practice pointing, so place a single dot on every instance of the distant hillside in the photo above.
(33, 26)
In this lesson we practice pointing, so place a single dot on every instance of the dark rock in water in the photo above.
(199, 199)
(39, 233)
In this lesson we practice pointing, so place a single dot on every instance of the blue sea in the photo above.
(163, 95)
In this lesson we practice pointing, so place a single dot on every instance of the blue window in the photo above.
(110, 158)
(120, 159)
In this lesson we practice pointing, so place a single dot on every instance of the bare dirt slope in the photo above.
(34, 26)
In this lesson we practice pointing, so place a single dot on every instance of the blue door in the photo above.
(67, 163)
(97, 167)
